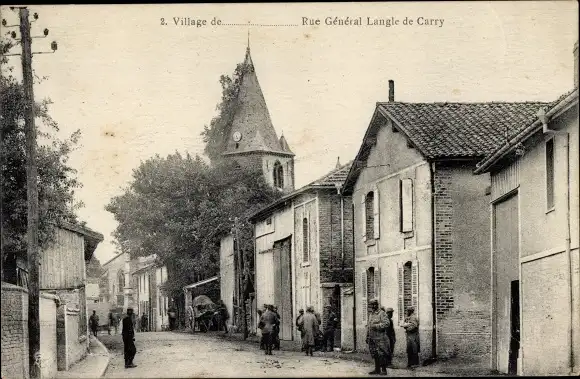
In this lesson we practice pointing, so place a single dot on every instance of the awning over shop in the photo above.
(200, 283)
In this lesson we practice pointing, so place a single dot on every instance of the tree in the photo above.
(178, 208)
(216, 133)
(56, 179)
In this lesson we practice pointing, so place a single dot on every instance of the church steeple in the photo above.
(251, 129)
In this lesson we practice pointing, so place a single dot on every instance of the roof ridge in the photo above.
(465, 103)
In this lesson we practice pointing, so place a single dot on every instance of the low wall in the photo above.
(77, 345)
(48, 349)
(14, 332)
(346, 319)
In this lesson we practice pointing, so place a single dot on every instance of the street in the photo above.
(167, 354)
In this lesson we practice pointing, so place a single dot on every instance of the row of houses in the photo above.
(466, 211)
(64, 334)
(136, 283)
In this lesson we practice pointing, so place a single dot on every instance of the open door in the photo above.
(515, 328)
(506, 285)
(283, 286)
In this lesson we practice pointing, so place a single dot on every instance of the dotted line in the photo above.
(259, 24)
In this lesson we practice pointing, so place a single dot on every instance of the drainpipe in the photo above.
(544, 119)
(433, 264)
(353, 282)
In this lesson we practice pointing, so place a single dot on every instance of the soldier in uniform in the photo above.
(128, 334)
(377, 339)
(391, 335)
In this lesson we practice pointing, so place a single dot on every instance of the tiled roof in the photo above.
(523, 131)
(337, 176)
(452, 130)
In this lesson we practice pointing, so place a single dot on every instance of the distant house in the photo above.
(116, 283)
(534, 231)
(303, 249)
(62, 274)
(421, 225)
(148, 277)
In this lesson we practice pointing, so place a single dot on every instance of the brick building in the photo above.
(303, 250)
(251, 140)
(421, 224)
(534, 229)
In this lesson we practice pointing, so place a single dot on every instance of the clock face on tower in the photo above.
(237, 136)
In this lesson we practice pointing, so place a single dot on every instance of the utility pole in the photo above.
(242, 293)
(32, 199)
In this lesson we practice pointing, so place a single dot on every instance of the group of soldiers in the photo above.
(308, 323)
(381, 337)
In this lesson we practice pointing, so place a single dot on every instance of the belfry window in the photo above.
(278, 175)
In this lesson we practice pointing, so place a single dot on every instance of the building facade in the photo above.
(303, 250)
(534, 233)
(421, 231)
(148, 276)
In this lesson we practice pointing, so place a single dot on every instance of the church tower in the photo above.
(251, 137)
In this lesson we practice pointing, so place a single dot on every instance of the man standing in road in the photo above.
(94, 323)
(267, 323)
(411, 326)
(310, 325)
(128, 334)
(329, 328)
(379, 345)
(299, 325)
(391, 335)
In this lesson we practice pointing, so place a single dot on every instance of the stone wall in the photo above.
(14, 331)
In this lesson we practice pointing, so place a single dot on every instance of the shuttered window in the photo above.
(370, 215)
(364, 299)
(406, 205)
(376, 214)
(305, 240)
(408, 284)
(363, 214)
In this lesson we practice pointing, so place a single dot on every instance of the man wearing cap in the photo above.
(329, 328)
(299, 325)
(411, 326)
(391, 336)
(128, 334)
(379, 344)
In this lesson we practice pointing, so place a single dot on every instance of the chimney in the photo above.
(392, 87)
(576, 65)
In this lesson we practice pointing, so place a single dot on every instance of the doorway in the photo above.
(283, 286)
(506, 315)
(515, 328)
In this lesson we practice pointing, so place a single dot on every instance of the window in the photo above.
(406, 205)
(305, 240)
(371, 287)
(408, 287)
(369, 215)
(278, 175)
(550, 174)
(121, 280)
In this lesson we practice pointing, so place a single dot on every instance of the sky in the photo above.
(136, 88)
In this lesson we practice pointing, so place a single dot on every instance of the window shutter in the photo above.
(401, 292)
(377, 283)
(376, 214)
(363, 217)
(406, 192)
(364, 300)
(415, 286)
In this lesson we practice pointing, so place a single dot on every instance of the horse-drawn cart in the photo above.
(204, 313)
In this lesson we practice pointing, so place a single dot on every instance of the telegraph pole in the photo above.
(32, 199)
(242, 294)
